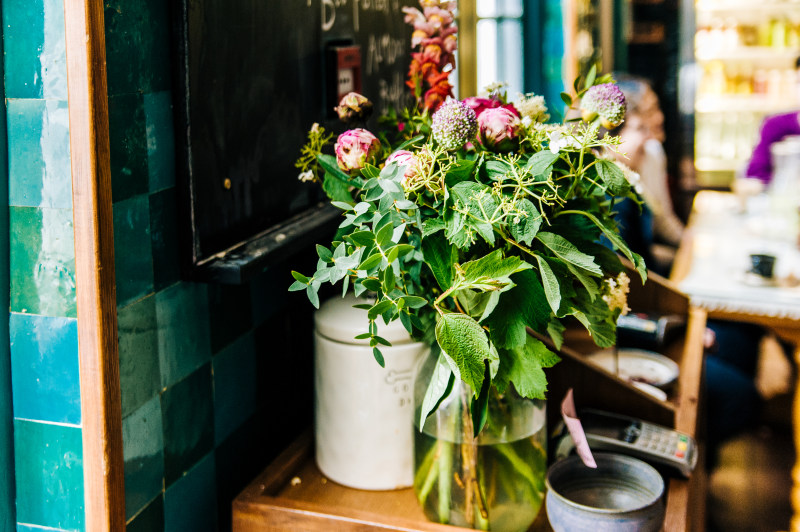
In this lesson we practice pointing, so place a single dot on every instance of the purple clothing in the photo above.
(773, 129)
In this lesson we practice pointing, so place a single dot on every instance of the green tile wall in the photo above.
(48, 470)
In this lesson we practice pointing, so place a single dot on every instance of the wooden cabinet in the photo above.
(292, 495)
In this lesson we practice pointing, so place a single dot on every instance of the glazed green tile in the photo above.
(191, 502)
(49, 474)
(230, 312)
(234, 386)
(44, 368)
(42, 260)
(38, 154)
(22, 527)
(128, 146)
(164, 236)
(139, 374)
(183, 341)
(137, 46)
(143, 450)
(151, 519)
(35, 49)
(160, 140)
(132, 256)
(188, 413)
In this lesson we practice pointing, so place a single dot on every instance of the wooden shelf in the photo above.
(292, 494)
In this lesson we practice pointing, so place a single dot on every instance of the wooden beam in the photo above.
(104, 487)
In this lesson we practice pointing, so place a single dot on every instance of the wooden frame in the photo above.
(101, 414)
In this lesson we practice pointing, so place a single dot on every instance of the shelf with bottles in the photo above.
(744, 8)
(715, 164)
(762, 31)
(748, 103)
(724, 142)
(753, 87)
(740, 54)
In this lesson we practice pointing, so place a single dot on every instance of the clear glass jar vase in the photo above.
(493, 482)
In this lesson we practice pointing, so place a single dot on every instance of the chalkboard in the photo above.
(250, 80)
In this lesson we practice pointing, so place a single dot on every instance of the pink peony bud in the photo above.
(355, 148)
(499, 129)
(479, 105)
(406, 159)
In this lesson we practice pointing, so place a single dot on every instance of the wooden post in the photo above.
(101, 415)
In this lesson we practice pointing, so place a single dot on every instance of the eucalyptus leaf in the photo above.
(300, 277)
(378, 357)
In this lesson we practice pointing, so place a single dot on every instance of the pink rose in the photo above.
(354, 148)
(499, 129)
(479, 105)
(406, 159)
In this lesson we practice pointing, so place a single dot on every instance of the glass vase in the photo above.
(492, 482)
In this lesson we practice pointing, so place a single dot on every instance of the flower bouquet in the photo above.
(473, 222)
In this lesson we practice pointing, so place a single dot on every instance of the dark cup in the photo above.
(762, 265)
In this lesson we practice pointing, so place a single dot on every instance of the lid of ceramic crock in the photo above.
(338, 320)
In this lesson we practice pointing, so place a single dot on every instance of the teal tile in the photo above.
(230, 313)
(188, 412)
(49, 475)
(132, 256)
(160, 140)
(139, 374)
(137, 42)
(128, 146)
(151, 519)
(42, 259)
(143, 448)
(164, 237)
(38, 154)
(183, 341)
(234, 386)
(24, 527)
(191, 502)
(35, 49)
(44, 368)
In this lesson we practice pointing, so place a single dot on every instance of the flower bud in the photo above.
(606, 101)
(354, 108)
(405, 159)
(454, 124)
(499, 129)
(355, 148)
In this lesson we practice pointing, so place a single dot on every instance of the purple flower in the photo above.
(353, 108)
(607, 102)
(499, 129)
(355, 148)
(454, 123)
(406, 159)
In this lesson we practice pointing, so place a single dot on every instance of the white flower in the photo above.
(532, 107)
(306, 176)
(559, 141)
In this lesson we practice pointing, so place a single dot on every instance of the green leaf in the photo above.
(300, 277)
(567, 252)
(370, 262)
(296, 286)
(336, 189)
(414, 301)
(550, 283)
(382, 341)
(362, 336)
(345, 206)
(588, 282)
(370, 171)
(384, 235)
(379, 308)
(497, 170)
(590, 77)
(566, 98)
(460, 171)
(524, 305)
(440, 257)
(324, 253)
(603, 332)
(432, 225)
(480, 406)
(541, 163)
(378, 357)
(555, 329)
(616, 240)
(328, 162)
(410, 141)
(528, 225)
(362, 238)
(464, 341)
(388, 280)
(612, 176)
(523, 367)
(491, 267)
(372, 285)
(311, 292)
(439, 387)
